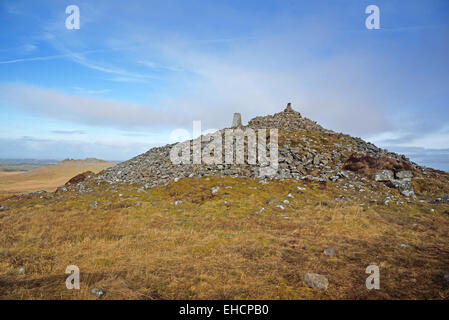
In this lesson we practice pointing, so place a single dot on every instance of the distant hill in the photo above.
(11, 165)
(45, 177)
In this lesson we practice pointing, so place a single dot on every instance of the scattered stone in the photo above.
(404, 175)
(261, 210)
(443, 199)
(285, 217)
(404, 186)
(214, 190)
(384, 176)
(290, 195)
(343, 174)
(93, 204)
(330, 252)
(62, 189)
(22, 270)
(315, 280)
(301, 188)
(2, 208)
(403, 245)
(286, 201)
(432, 210)
(280, 206)
(97, 292)
(178, 202)
(228, 187)
(269, 201)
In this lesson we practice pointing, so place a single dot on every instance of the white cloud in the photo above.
(88, 110)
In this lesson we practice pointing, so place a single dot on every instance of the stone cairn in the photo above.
(299, 161)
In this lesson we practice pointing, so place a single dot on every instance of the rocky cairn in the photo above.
(308, 151)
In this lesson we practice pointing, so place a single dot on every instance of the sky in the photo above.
(137, 70)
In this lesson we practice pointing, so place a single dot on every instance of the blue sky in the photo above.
(137, 70)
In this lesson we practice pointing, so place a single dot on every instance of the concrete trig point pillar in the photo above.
(237, 121)
(289, 108)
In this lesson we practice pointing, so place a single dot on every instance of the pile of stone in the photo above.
(299, 160)
(287, 120)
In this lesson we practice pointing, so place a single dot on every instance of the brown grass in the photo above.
(142, 246)
(369, 165)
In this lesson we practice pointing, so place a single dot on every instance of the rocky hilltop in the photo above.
(306, 151)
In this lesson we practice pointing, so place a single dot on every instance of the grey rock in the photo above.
(178, 202)
(272, 200)
(97, 292)
(404, 186)
(330, 252)
(315, 280)
(93, 204)
(384, 176)
(443, 199)
(404, 175)
(22, 270)
(2, 208)
(214, 190)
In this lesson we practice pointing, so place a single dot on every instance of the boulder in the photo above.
(384, 176)
(97, 292)
(315, 280)
(442, 199)
(404, 175)
(330, 252)
(404, 186)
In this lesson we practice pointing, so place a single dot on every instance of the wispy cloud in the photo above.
(122, 73)
(58, 56)
(68, 132)
(88, 110)
(90, 91)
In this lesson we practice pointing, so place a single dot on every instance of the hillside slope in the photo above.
(149, 229)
